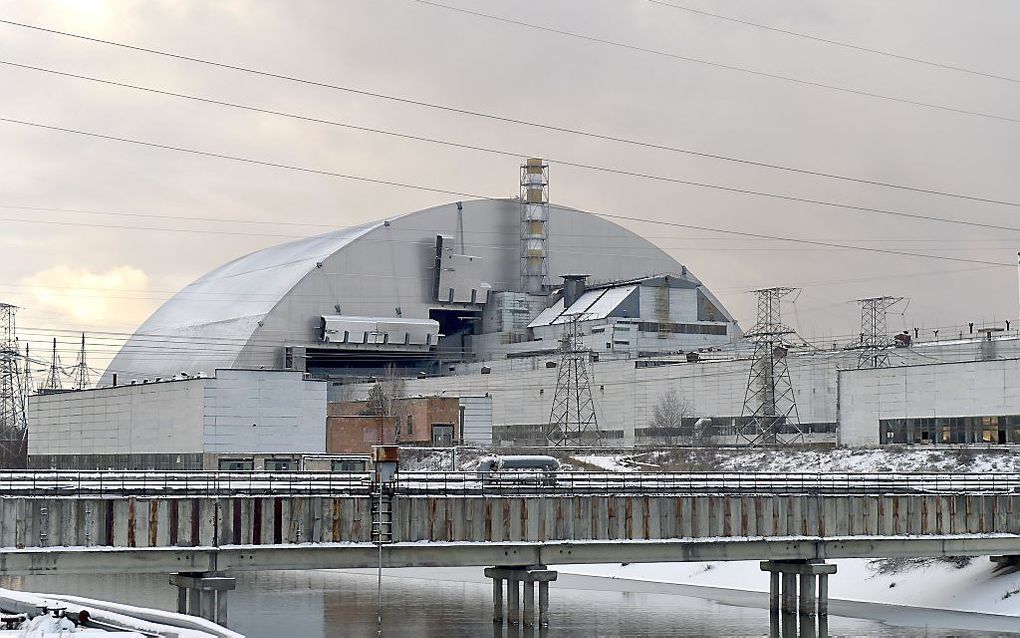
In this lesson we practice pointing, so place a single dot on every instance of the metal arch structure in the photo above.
(573, 419)
(769, 415)
(875, 343)
(13, 399)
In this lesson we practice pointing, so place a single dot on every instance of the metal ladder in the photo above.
(382, 518)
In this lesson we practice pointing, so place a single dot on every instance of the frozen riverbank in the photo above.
(960, 585)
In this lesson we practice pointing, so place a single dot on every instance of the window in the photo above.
(410, 425)
(349, 466)
(236, 465)
(281, 465)
(442, 434)
(990, 430)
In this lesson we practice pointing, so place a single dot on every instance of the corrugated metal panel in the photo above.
(592, 305)
(548, 316)
(477, 420)
(602, 306)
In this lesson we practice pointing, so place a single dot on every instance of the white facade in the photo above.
(238, 411)
(938, 391)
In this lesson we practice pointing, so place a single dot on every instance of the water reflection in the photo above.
(450, 603)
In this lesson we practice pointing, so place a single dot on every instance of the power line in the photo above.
(504, 152)
(720, 65)
(847, 45)
(1010, 243)
(431, 189)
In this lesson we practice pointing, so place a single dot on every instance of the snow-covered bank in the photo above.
(889, 458)
(957, 585)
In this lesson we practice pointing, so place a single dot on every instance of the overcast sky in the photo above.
(105, 272)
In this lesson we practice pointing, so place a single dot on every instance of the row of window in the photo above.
(964, 429)
(683, 328)
(344, 466)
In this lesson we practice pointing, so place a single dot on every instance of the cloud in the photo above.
(87, 297)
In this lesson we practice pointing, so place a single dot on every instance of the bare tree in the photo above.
(668, 416)
(378, 403)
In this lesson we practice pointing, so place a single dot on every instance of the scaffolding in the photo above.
(573, 419)
(534, 226)
(13, 398)
(769, 415)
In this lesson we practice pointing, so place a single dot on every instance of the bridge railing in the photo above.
(183, 483)
(631, 483)
(515, 483)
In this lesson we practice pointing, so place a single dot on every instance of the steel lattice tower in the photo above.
(769, 416)
(82, 379)
(13, 402)
(53, 381)
(572, 420)
(875, 342)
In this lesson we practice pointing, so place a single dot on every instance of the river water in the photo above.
(454, 602)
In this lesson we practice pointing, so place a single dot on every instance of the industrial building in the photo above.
(238, 419)
(425, 291)
(961, 403)
(511, 305)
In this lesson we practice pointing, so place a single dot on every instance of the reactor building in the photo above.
(537, 317)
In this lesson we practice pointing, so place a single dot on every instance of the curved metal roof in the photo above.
(240, 314)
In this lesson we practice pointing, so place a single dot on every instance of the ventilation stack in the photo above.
(534, 226)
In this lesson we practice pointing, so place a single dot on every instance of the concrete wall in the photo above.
(522, 390)
(154, 418)
(239, 411)
(264, 411)
(218, 521)
(975, 388)
(625, 396)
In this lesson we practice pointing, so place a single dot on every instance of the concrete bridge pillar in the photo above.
(813, 596)
(510, 579)
(203, 594)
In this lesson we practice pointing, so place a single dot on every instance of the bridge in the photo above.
(204, 525)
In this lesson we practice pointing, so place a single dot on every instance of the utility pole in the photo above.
(769, 415)
(13, 421)
(874, 345)
(53, 381)
(82, 379)
(572, 420)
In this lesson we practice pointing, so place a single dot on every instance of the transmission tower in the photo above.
(572, 420)
(13, 422)
(82, 379)
(769, 416)
(27, 387)
(53, 381)
(874, 345)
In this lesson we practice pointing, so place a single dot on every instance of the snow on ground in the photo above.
(926, 583)
(884, 459)
(610, 463)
